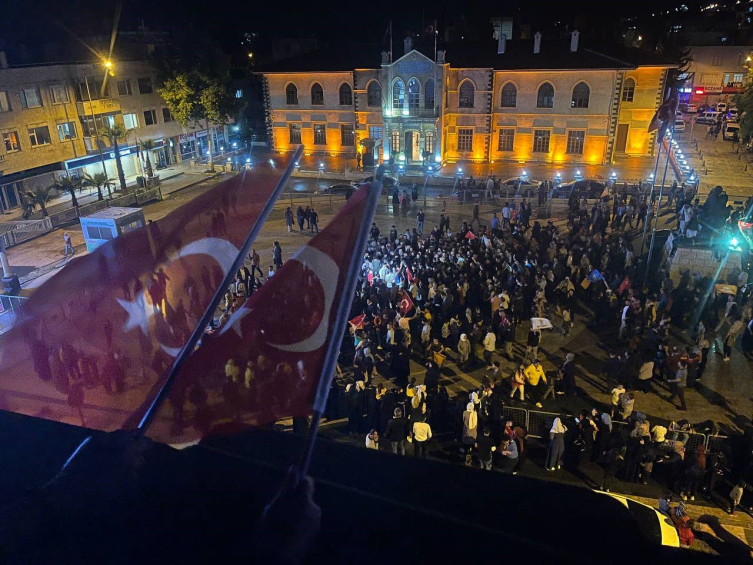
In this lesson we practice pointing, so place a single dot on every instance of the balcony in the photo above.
(101, 106)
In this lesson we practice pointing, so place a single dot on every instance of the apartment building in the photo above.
(716, 73)
(537, 100)
(51, 115)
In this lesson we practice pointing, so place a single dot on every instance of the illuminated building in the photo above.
(522, 101)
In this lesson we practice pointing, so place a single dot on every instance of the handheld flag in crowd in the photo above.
(266, 361)
(470, 235)
(357, 322)
(541, 324)
(95, 343)
(406, 304)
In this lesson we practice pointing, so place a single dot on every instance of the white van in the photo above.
(731, 132)
(708, 117)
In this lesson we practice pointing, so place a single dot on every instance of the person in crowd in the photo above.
(372, 440)
(556, 445)
(397, 432)
(485, 448)
(421, 435)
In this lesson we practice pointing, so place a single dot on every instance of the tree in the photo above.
(38, 197)
(98, 180)
(115, 133)
(195, 84)
(70, 185)
(146, 147)
(744, 103)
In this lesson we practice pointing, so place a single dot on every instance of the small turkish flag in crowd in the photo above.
(470, 235)
(406, 304)
(265, 362)
(96, 341)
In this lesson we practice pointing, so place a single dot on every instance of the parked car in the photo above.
(520, 186)
(731, 132)
(721, 107)
(679, 125)
(689, 108)
(587, 188)
(708, 117)
(387, 181)
(733, 115)
(656, 527)
(339, 189)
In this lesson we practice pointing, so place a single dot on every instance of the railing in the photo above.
(9, 308)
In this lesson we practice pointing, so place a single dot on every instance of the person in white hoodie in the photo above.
(470, 430)
(556, 445)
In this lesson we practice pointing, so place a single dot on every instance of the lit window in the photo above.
(150, 117)
(130, 121)
(291, 95)
(11, 142)
(39, 136)
(545, 98)
(465, 139)
(346, 95)
(375, 132)
(395, 146)
(30, 98)
(466, 95)
(414, 94)
(347, 135)
(509, 96)
(374, 94)
(628, 90)
(239, 93)
(581, 94)
(124, 88)
(295, 133)
(317, 95)
(320, 134)
(506, 139)
(67, 131)
(541, 140)
(575, 142)
(59, 94)
(398, 95)
(429, 142)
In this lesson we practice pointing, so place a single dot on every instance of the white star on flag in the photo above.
(138, 317)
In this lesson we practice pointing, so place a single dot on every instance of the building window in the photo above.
(465, 139)
(737, 78)
(581, 94)
(11, 141)
(398, 95)
(506, 139)
(375, 132)
(466, 95)
(429, 142)
(59, 94)
(239, 93)
(541, 140)
(91, 88)
(295, 133)
(374, 94)
(30, 98)
(291, 95)
(67, 131)
(347, 135)
(414, 94)
(320, 134)
(88, 126)
(317, 94)
(4, 103)
(717, 61)
(346, 95)
(545, 98)
(575, 141)
(395, 145)
(145, 85)
(150, 117)
(124, 88)
(167, 115)
(628, 90)
(509, 96)
(39, 136)
(130, 121)
(429, 94)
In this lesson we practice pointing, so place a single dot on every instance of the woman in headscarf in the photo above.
(464, 350)
(556, 445)
(470, 430)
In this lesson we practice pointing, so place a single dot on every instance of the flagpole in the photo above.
(658, 204)
(341, 321)
(198, 331)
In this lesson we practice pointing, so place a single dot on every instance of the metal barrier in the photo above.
(517, 415)
(9, 307)
(124, 200)
(65, 217)
(92, 207)
(719, 443)
(149, 195)
(540, 423)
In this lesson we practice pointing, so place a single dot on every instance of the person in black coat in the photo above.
(633, 456)
(568, 374)
(431, 380)
(356, 404)
(386, 410)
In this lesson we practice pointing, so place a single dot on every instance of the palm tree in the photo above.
(70, 185)
(146, 147)
(114, 133)
(38, 197)
(98, 180)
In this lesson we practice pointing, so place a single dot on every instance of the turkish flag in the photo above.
(470, 235)
(357, 322)
(96, 341)
(406, 304)
(265, 362)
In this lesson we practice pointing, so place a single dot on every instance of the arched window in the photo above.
(545, 98)
(346, 95)
(509, 96)
(414, 94)
(466, 95)
(429, 94)
(581, 94)
(374, 94)
(291, 95)
(628, 90)
(398, 95)
(317, 94)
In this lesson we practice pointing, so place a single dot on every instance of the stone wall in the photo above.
(699, 260)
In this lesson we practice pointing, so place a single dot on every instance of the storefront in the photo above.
(10, 196)
(92, 164)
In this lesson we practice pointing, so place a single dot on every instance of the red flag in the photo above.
(408, 274)
(357, 322)
(470, 235)
(97, 339)
(266, 361)
(406, 304)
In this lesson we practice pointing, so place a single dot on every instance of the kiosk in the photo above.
(104, 225)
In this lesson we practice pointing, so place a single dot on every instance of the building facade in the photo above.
(521, 101)
(51, 115)
(716, 73)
